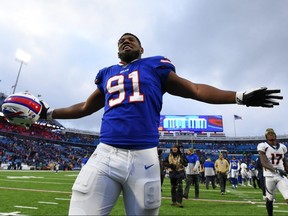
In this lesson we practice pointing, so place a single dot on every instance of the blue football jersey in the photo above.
(133, 101)
(192, 158)
(234, 164)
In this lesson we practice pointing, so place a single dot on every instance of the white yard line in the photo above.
(26, 207)
(49, 203)
(16, 213)
(62, 199)
(37, 182)
(34, 190)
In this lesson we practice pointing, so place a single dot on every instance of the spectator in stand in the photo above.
(222, 168)
(192, 173)
(209, 172)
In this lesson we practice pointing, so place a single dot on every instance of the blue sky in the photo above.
(234, 45)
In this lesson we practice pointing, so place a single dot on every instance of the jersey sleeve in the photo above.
(261, 147)
(284, 148)
(162, 63)
(162, 66)
(99, 79)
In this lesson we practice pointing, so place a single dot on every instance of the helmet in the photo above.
(21, 109)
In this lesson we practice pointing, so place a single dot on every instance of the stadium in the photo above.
(48, 146)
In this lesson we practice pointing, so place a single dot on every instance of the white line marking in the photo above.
(11, 214)
(26, 207)
(24, 177)
(49, 203)
(37, 182)
(35, 190)
(280, 211)
(62, 199)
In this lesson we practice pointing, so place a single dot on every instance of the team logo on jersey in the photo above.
(125, 70)
(149, 166)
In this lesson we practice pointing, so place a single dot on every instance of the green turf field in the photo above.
(48, 193)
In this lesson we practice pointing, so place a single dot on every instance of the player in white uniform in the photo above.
(126, 160)
(245, 174)
(274, 162)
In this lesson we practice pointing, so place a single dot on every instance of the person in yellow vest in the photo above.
(176, 163)
(222, 168)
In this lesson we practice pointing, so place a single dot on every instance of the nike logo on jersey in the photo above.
(147, 167)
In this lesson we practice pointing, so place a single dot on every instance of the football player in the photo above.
(275, 166)
(234, 168)
(126, 159)
(254, 175)
(192, 173)
(245, 174)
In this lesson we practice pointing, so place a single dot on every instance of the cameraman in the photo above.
(176, 163)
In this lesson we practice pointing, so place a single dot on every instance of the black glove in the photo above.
(44, 110)
(282, 173)
(259, 97)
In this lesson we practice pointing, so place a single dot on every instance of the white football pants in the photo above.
(276, 181)
(110, 171)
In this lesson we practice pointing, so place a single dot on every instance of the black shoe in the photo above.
(184, 196)
(180, 205)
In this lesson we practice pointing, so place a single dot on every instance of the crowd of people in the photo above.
(40, 148)
(184, 169)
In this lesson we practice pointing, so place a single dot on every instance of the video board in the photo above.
(195, 123)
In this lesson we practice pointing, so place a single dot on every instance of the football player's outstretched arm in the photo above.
(257, 97)
(184, 88)
(93, 103)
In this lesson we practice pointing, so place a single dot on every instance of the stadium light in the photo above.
(23, 58)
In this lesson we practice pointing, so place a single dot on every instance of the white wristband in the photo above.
(239, 98)
(49, 115)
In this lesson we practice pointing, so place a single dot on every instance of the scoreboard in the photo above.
(193, 123)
